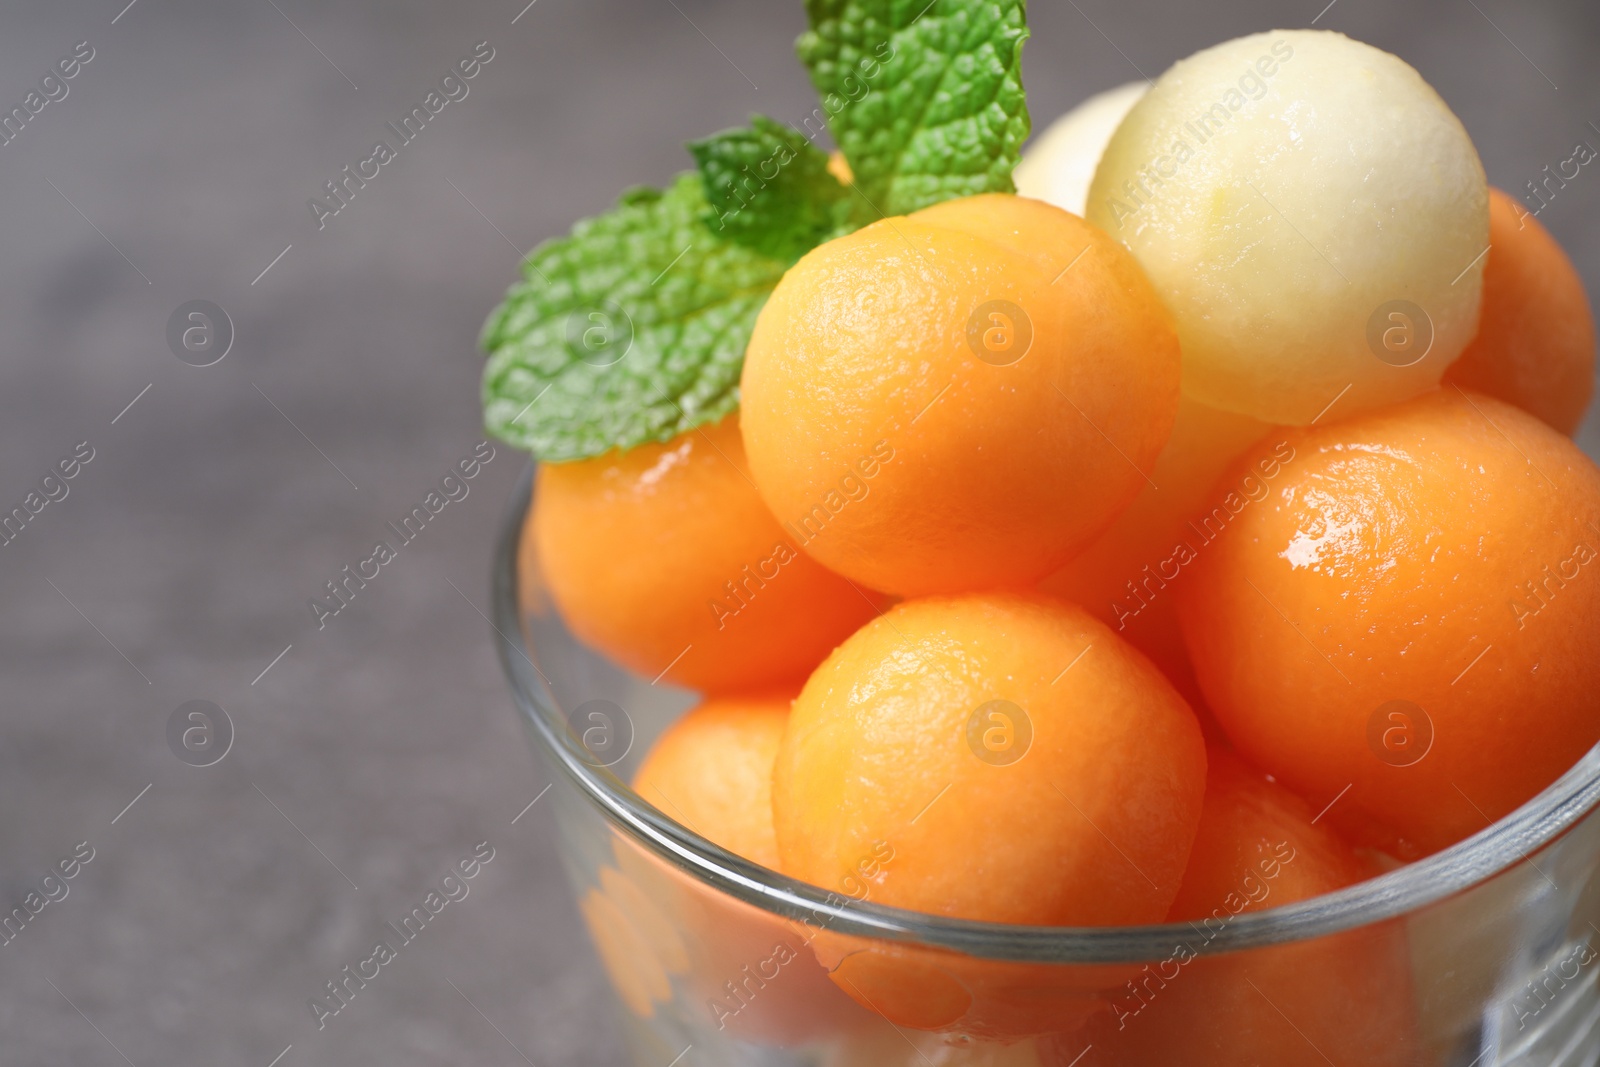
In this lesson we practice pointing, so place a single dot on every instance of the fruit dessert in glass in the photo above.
(1134, 613)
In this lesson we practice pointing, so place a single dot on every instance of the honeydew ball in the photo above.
(1314, 216)
(1060, 163)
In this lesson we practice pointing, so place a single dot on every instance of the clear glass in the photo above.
(1484, 955)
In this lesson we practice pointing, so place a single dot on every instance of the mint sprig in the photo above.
(633, 327)
(925, 98)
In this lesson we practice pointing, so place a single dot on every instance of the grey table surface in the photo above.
(376, 751)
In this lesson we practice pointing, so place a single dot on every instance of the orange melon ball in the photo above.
(1411, 613)
(638, 947)
(1535, 343)
(1259, 846)
(663, 937)
(712, 772)
(753, 974)
(1000, 757)
(1346, 996)
(958, 399)
(1125, 577)
(664, 558)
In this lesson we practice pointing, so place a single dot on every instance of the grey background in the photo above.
(192, 541)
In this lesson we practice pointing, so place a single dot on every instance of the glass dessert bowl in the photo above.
(1478, 954)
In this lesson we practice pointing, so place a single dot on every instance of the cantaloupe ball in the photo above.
(1408, 619)
(959, 399)
(1060, 163)
(1314, 216)
(1000, 757)
(712, 772)
(664, 558)
(1535, 342)
(1343, 998)
(753, 972)
(1075, 772)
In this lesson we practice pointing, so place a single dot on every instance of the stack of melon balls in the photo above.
(1074, 550)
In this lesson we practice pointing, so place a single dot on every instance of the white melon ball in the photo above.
(1059, 164)
(1314, 216)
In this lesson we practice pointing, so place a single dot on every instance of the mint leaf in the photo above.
(924, 98)
(631, 329)
(769, 188)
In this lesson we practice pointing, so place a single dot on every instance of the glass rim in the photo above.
(1513, 839)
